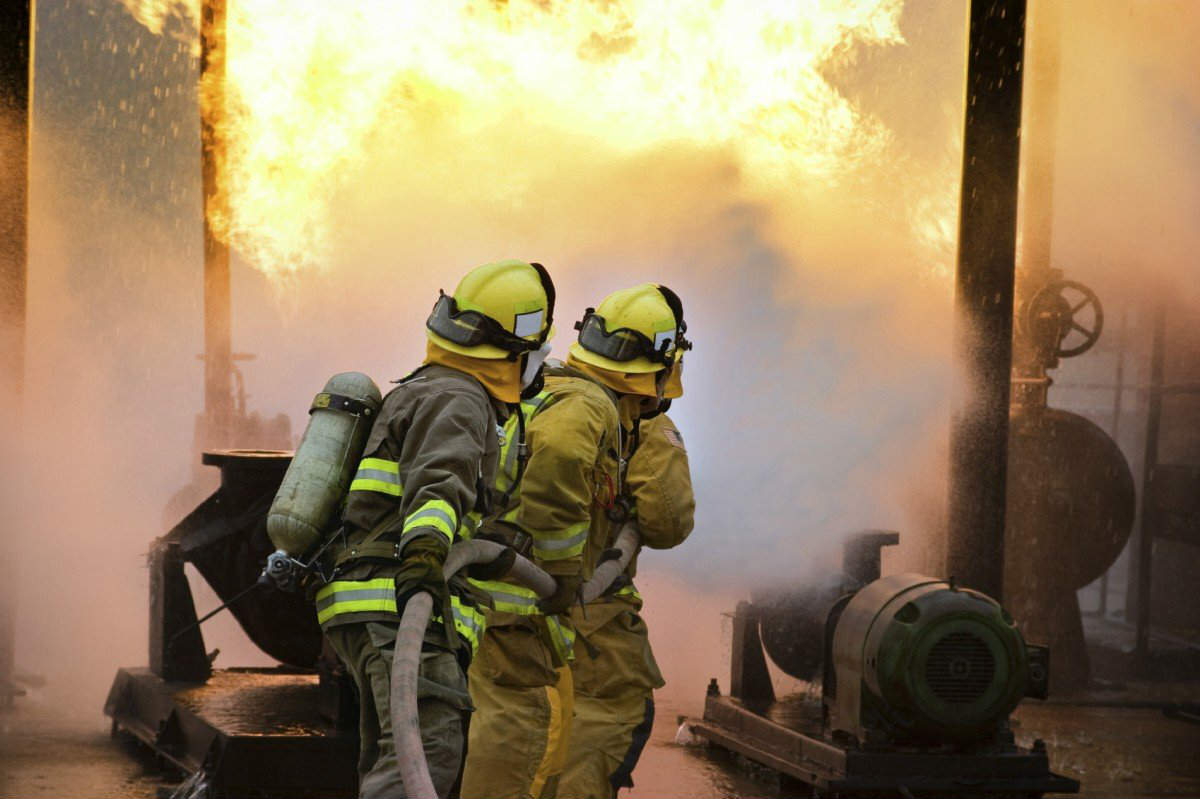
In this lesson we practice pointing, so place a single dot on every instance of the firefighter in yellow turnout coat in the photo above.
(566, 515)
(430, 456)
(616, 676)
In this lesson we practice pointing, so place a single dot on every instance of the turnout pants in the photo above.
(523, 705)
(615, 677)
(607, 738)
(366, 649)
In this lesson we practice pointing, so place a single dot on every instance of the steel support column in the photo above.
(16, 76)
(984, 292)
(218, 348)
(1149, 519)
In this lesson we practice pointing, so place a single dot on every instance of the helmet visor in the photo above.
(472, 328)
(626, 344)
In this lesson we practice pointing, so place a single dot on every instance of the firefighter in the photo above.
(615, 677)
(432, 451)
(564, 514)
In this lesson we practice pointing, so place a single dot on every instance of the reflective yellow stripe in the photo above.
(468, 621)
(382, 464)
(563, 638)
(356, 596)
(629, 591)
(435, 513)
(559, 697)
(367, 484)
(470, 523)
(378, 474)
(509, 598)
(567, 543)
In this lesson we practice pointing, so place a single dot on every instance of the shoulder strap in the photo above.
(371, 546)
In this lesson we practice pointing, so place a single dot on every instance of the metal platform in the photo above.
(833, 770)
(253, 732)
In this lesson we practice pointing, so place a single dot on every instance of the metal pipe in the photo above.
(1149, 518)
(16, 83)
(1039, 134)
(1114, 430)
(984, 293)
(406, 661)
(218, 336)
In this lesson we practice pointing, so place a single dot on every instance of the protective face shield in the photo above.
(532, 374)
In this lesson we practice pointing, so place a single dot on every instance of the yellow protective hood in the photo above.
(674, 387)
(501, 377)
(640, 383)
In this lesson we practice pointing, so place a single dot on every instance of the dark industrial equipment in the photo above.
(918, 678)
(247, 732)
(1071, 497)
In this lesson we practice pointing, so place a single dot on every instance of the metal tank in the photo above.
(319, 475)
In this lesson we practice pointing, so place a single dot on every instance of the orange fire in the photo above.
(309, 83)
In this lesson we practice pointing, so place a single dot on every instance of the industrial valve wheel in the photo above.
(1063, 310)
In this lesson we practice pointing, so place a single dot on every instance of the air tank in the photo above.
(319, 476)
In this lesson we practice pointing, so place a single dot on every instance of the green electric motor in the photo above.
(319, 476)
(917, 660)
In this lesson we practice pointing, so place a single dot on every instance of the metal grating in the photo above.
(960, 668)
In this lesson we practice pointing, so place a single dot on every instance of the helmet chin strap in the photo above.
(533, 364)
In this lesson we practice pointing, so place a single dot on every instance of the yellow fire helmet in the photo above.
(499, 310)
(633, 331)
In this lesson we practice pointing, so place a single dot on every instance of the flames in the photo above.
(309, 85)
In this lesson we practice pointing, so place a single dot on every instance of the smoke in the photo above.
(817, 394)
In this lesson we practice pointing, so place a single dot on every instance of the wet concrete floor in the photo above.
(49, 751)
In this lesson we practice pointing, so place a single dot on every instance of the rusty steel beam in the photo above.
(218, 335)
(984, 293)
(16, 79)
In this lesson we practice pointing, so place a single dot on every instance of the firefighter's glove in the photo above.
(610, 554)
(421, 570)
(564, 597)
(495, 569)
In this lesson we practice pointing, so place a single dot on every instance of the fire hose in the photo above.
(626, 546)
(406, 727)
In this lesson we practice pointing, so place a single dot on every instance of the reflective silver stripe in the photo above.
(467, 621)
(554, 545)
(377, 474)
(436, 513)
(355, 595)
(512, 599)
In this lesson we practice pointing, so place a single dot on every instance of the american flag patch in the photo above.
(674, 438)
